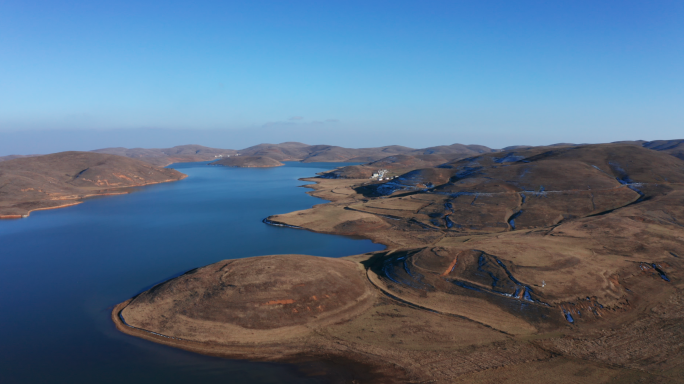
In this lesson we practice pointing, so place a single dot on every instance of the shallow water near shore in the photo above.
(61, 272)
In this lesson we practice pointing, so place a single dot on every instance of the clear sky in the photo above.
(91, 74)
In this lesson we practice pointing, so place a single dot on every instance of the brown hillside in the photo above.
(671, 147)
(65, 178)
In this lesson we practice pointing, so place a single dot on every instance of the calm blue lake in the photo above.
(61, 272)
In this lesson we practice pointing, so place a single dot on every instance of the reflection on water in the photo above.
(61, 271)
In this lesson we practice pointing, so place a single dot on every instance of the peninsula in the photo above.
(533, 264)
(63, 179)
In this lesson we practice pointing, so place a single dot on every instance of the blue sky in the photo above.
(85, 74)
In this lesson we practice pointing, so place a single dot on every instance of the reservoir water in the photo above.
(62, 271)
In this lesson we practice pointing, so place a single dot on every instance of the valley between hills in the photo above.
(557, 264)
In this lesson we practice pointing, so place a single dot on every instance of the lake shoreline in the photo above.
(79, 200)
(86, 259)
(331, 362)
(360, 366)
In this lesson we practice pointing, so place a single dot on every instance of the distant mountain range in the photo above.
(294, 151)
(165, 156)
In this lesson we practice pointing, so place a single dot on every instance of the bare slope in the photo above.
(61, 179)
(672, 147)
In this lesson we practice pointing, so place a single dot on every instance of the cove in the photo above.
(61, 272)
